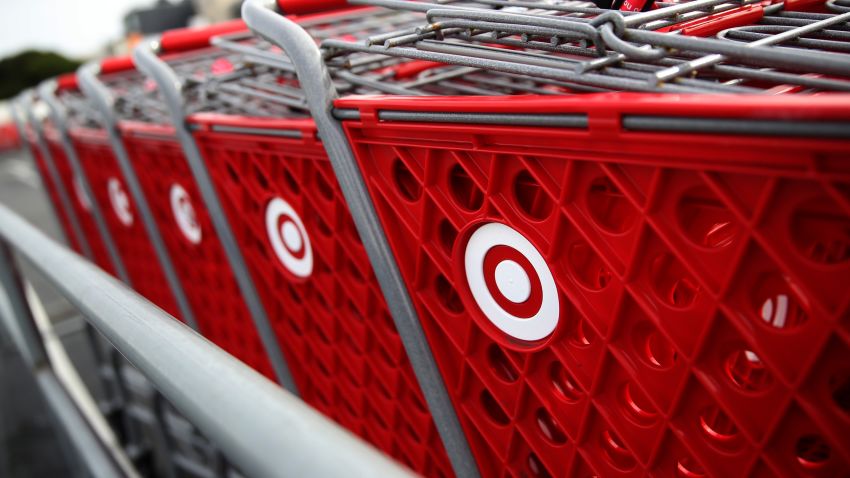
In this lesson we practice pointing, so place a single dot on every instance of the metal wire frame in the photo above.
(259, 81)
(239, 74)
(804, 50)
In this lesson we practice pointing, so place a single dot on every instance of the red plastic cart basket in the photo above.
(9, 139)
(37, 146)
(99, 163)
(180, 217)
(292, 226)
(623, 284)
(80, 202)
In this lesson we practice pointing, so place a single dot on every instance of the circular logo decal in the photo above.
(289, 238)
(120, 201)
(511, 283)
(82, 197)
(184, 214)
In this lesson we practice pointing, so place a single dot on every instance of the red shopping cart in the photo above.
(191, 244)
(32, 137)
(89, 135)
(96, 242)
(9, 139)
(253, 142)
(640, 268)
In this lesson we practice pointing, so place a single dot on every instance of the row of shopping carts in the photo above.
(496, 237)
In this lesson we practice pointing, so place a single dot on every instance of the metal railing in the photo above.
(261, 429)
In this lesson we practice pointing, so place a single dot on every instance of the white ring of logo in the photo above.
(289, 239)
(511, 282)
(120, 201)
(82, 197)
(184, 214)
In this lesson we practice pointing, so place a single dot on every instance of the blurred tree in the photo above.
(30, 68)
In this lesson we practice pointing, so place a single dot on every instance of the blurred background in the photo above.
(40, 39)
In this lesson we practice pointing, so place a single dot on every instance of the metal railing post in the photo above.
(262, 429)
(79, 439)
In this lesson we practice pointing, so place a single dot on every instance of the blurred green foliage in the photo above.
(30, 68)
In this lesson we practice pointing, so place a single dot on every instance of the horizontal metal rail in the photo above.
(262, 429)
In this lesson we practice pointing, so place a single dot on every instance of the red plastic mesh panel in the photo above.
(338, 338)
(102, 170)
(53, 195)
(9, 139)
(195, 250)
(699, 285)
(80, 203)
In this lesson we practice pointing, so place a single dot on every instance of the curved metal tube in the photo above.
(320, 93)
(55, 177)
(262, 429)
(47, 91)
(170, 87)
(102, 99)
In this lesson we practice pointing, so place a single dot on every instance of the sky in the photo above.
(75, 28)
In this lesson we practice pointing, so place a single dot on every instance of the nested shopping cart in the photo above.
(9, 139)
(30, 117)
(93, 235)
(89, 136)
(264, 175)
(151, 163)
(635, 263)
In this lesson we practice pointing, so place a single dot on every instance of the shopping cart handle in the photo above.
(302, 7)
(66, 82)
(116, 64)
(184, 39)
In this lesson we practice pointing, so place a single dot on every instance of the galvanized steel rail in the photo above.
(262, 429)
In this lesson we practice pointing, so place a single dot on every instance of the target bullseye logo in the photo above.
(82, 197)
(184, 214)
(120, 201)
(289, 238)
(511, 282)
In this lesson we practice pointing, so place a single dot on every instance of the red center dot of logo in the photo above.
(291, 236)
(501, 255)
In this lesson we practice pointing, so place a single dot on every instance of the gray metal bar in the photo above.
(164, 436)
(258, 131)
(320, 92)
(15, 312)
(813, 129)
(554, 120)
(64, 197)
(170, 88)
(345, 114)
(60, 119)
(76, 430)
(264, 430)
(100, 97)
(839, 64)
(16, 315)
